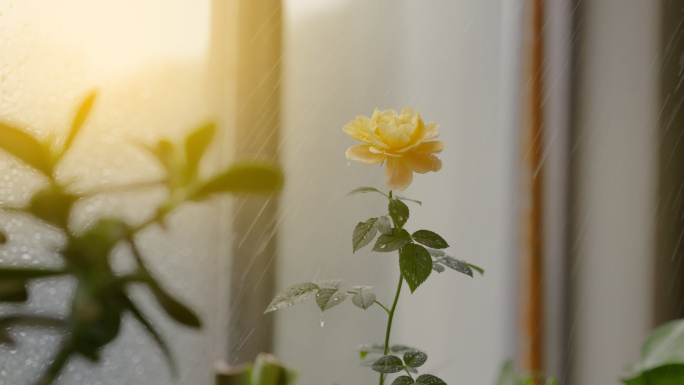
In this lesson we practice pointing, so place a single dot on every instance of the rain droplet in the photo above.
(322, 322)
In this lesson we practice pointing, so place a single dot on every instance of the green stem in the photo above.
(389, 322)
(407, 372)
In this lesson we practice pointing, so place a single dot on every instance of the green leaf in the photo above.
(364, 299)
(12, 273)
(385, 225)
(663, 347)
(80, 118)
(403, 380)
(268, 370)
(388, 243)
(246, 178)
(365, 349)
(362, 190)
(479, 269)
(415, 265)
(329, 298)
(429, 379)
(410, 200)
(663, 375)
(133, 309)
(176, 309)
(52, 205)
(234, 375)
(388, 364)
(430, 239)
(436, 266)
(364, 232)
(457, 265)
(401, 348)
(399, 212)
(415, 358)
(294, 294)
(196, 145)
(3, 238)
(26, 147)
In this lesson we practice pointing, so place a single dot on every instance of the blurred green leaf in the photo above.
(364, 232)
(268, 370)
(430, 239)
(453, 263)
(663, 375)
(388, 243)
(399, 212)
(95, 318)
(388, 364)
(401, 348)
(53, 206)
(365, 349)
(410, 200)
(80, 118)
(294, 294)
(363, 190)
(13, 290)
(507, 375)
(403, 380)
(175, 309)
(20, 273)
(662, 356)
(3, 238)
(479, 269)
(415, 358)
(131, 307)
(415, 265)
(328, 298)
(234, 375)
(27, 148)
(246, 177)
(196, 145)
(429, 379)
(436, 266)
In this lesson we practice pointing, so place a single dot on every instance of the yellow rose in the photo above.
(401, 140)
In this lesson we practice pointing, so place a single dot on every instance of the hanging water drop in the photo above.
(322, 322)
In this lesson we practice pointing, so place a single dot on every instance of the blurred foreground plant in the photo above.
(267, 370)
(101, 298)
(402, 141)
(662, 362)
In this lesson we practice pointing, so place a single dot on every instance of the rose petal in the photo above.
(353, 131)
(399, 177)
(430, 147)
(421, 162)
(361, 153)
(408, 112)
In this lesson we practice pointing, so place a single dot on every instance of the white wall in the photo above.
(343, 59)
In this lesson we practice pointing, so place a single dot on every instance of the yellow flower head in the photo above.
(401, 140)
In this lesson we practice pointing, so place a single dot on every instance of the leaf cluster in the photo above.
(419, 252)
(327, 294)
(101, 298)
